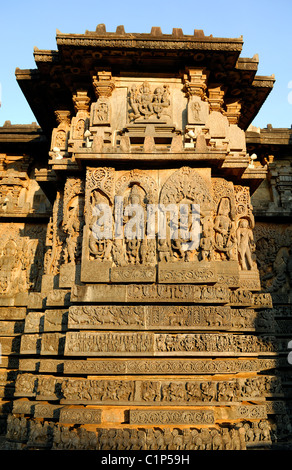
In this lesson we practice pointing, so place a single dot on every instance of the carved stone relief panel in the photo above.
(160, 344)
(63, 437)
(14, 185)
(21, 258)
(64, 235)
(149, 392)
(137, 191)
(60, 135)
(100, 113)
(274, 258)
(274, 195)
(166, 293)
(204, 222)
(147, 103)
(55, 238)
(97, 247)
(73, 213)
(171, 416)
(188, 189)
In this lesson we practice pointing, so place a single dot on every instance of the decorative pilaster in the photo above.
(216, 97)
(61, 133)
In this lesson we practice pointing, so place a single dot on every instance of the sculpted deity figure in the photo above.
(161, 100)
(245, 244)
(14, 268)
(141, 101)
(206, 242)
(145, 103)
(79, 129)
(102, 111)
(196, 108)
(224, 229)
(280, 271)
(60, 140)
(134, 227)
(99, 248)
(72, 228)
(164, 249)
(185, 242)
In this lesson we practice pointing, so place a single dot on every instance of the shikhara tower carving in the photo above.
(141, 342)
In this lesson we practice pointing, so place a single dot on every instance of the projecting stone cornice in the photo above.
(156, 39)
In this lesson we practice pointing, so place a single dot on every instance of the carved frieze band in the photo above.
(171, 417)
(148, 366)
(80, 415)
(145, 391)
(167, 317)
(160, 344)
(57, 437)
(148, 293)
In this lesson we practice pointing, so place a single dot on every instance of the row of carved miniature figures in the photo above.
(221, 242)
(187, 236)
(32, 433)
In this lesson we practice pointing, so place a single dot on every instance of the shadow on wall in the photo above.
(274, 259)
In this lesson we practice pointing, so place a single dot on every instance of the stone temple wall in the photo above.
(142, 342)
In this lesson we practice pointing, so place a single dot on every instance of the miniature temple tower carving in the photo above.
(139, 318)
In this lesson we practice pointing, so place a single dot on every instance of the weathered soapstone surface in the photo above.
(172, 343)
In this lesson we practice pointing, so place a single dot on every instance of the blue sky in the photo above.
(265, 26)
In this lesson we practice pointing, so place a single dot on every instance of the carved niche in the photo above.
(60, 134)
(120, 248)
(97, 245)
(184, 188)
(137, 190)
(224, 220)
(80, 122)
